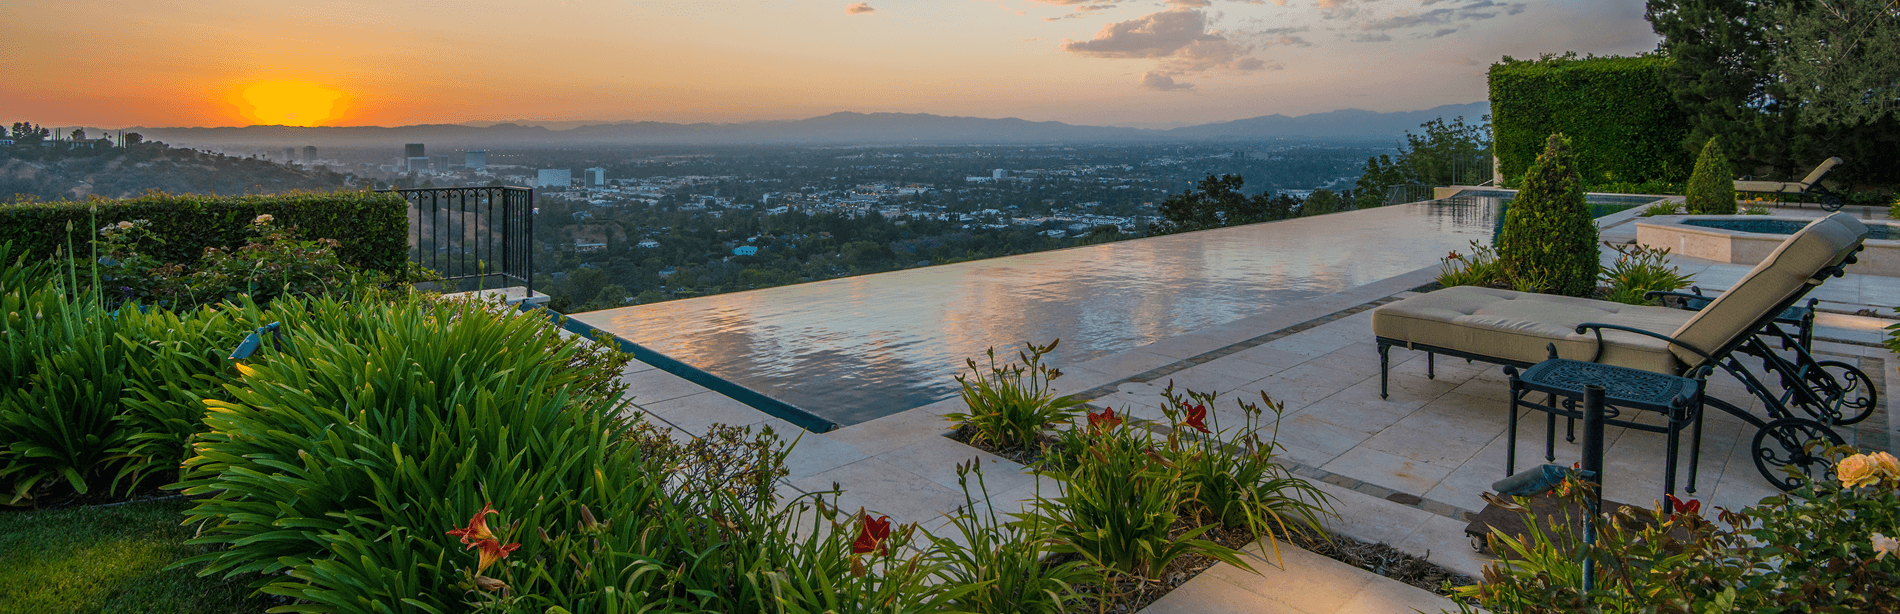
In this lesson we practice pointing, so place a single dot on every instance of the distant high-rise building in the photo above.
(1001, 173)
(596, 177)
(413, 150)
(554, 178)
(441, 163)
(475, 160)
(418, 164)
(290, 154)
(310, 153)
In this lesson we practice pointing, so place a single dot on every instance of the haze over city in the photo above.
(1096, 62)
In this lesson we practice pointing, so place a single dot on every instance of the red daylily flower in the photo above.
(1104, 421)
(1197, 418)
(871, 535)
(1692, 507)
(492, 551)
(477, 529)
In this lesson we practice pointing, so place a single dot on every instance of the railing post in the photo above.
(450, 223)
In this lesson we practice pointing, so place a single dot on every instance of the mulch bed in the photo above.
(58, 494)
(1130, 595)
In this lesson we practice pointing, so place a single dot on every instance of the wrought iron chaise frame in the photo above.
(1799, 443)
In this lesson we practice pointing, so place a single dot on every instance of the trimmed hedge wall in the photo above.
(372, 227)
(1622, 122)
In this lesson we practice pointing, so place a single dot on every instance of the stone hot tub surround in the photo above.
(1683, 237)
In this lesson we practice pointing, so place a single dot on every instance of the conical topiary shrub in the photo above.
(1711, 191)
(1549, 240)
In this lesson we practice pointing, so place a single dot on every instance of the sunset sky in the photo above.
(397, 62)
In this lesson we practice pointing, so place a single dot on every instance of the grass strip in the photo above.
(109, 559)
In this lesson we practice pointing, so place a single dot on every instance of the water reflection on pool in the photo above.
(857, 348)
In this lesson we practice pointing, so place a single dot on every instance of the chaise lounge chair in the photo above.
(1807, 185)
(1521, 329)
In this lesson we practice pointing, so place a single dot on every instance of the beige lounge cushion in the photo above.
(1516, 326)
(1822, 243)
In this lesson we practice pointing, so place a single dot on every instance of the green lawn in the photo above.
(108, 560)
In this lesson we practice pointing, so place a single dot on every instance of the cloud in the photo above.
(1440, 33)
(1290, 41)
(1082, 7)
(1370, 37)
(1178, 38)
(1407, 20)
(1161, 82)
(859, 9)
(1080, 11)
(1189, 3)
(1155, 35)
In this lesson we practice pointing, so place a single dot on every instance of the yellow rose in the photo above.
(1858, 470)
(125, 225)
(262, 219)
(1888, 466)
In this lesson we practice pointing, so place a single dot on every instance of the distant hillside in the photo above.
(836, 128)
(1341, 124)
(56, 174)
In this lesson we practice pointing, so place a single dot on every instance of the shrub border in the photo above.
(373, 228)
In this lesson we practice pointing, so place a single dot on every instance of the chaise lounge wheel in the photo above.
(1846, 394)
(1832, 202)
(1797, 443)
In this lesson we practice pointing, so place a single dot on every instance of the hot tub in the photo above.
(1747, 239)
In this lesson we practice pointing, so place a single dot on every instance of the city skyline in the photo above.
(1088, 62)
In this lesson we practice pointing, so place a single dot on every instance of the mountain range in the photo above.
(836, 128)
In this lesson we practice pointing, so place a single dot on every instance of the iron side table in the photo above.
(1678, 399)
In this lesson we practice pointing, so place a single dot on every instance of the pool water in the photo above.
(1775, 227)
(857, 348)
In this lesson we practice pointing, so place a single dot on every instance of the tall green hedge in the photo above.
(1622, 122)
(372, 227)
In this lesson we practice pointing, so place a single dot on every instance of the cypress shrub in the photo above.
(1711, 192)
(1549, 240)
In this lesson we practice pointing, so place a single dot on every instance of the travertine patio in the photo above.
(1404, 470)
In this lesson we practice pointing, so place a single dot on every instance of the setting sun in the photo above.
(289, 103)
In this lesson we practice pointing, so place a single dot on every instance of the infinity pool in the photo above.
(854, 349)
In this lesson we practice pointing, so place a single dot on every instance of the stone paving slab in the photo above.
(1296, 581)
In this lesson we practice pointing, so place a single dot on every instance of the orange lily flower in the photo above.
(477, 529)
(1104, 421)
(871, 535)
(492, 551)
(1197, 417)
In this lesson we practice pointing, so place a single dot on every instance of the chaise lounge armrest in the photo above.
(1598, 328)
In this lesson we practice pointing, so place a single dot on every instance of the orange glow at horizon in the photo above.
(289, 102)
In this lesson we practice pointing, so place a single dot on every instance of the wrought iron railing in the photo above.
(473, 237)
